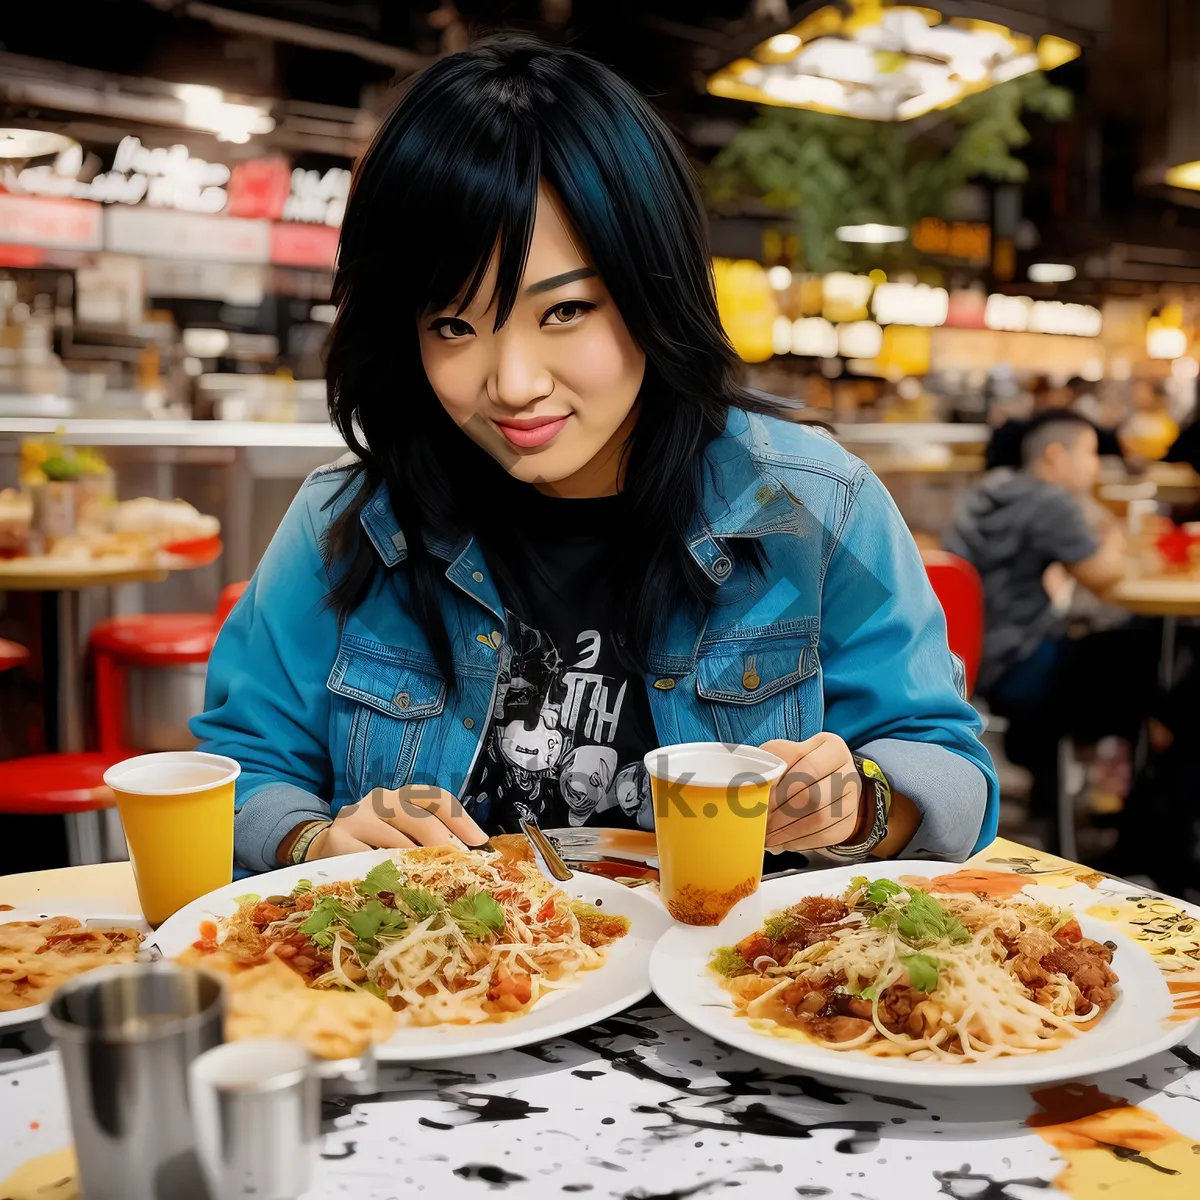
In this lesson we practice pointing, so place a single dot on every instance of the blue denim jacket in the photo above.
(843, 633)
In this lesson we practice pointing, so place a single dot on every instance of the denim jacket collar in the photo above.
(738, 499)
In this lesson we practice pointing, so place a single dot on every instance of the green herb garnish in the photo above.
(778, 925)
(880, 891)
(325, 912)
(922, 920)
(374, 989)
(376, 920)
(478, 914)
(727, 961)
(922, 971)
(421, 902)
(383, 877)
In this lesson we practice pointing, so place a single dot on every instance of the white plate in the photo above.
(622, 981)
(92, 915)
(1136, 1026)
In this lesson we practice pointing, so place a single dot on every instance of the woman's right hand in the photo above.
(398, 820)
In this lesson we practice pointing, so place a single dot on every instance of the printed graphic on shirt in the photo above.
(556, 737)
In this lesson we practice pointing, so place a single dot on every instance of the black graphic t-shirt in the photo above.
(569, 724)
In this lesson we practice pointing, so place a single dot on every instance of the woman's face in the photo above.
(552, 394)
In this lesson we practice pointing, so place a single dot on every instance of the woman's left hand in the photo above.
(818, 800)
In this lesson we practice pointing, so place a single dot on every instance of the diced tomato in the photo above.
(207, 941)
(1069, 933)
(267, 913)
(546, 911)
(754, 946)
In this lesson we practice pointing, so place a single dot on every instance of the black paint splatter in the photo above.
(802, 1190)
(732, 1083)
(759, 1119)
(1128, 1154)
(541, 1051)
(607, 1166)
(491, 1108)
(348, 1150)
(577, 1187)
(680, 1194)
(495, 1177)
(588, 1074)
(993, 1189)
(1190, 1057)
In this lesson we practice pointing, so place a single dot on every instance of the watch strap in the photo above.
(880, 800)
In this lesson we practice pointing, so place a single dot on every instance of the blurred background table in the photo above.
(1165, 597)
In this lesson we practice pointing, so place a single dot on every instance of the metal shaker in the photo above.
(126, 1036)
(257, 1107)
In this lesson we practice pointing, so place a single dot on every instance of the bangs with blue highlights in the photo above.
(451, 182)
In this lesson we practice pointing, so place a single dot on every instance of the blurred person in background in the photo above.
(568, 533)
(1004, 448)
(1024, 529)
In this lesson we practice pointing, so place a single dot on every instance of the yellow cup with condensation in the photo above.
(710, 819)
(177, 812)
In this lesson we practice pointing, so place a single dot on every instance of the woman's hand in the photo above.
(398, 820)
(818, 800)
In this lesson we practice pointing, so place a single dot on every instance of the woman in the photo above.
(568, 534)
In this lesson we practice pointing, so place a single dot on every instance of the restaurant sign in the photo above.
(173, 178)
(161, 178)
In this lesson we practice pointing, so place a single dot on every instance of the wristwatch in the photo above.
(876, 792)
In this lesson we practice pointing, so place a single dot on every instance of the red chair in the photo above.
(67, 785)
(70, 786)
(960, 592)
(148, 640)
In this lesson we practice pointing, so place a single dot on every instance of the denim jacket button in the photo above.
(664, 685)
(402, 699)
(468, 722)
(751, 680)
(721, 567)
(477, 576)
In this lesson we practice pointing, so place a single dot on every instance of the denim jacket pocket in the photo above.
(384, 698)
(756, 685)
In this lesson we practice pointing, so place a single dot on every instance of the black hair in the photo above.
(452, 178)
(1055, 425)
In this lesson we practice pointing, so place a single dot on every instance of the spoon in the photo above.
(544, 851)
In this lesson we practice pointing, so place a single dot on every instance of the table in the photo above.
(642, 1106)
(1166, 597)
(60, 581)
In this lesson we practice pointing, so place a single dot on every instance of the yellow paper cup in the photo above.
(177, 810)
(710, 819)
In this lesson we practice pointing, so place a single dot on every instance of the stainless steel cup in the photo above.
(257, 1107)
(127, 1035)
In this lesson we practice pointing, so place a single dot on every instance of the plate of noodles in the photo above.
(43, 945)
(464, 952)
(862, 972)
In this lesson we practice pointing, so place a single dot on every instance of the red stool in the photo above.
(148, 640)
(960, 592)
(12, 655)
(71, 786)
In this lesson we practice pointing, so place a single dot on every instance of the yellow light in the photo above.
(783, 44)
(747, 307)
(1186, 175)
(1054, 51)
(877, 276)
